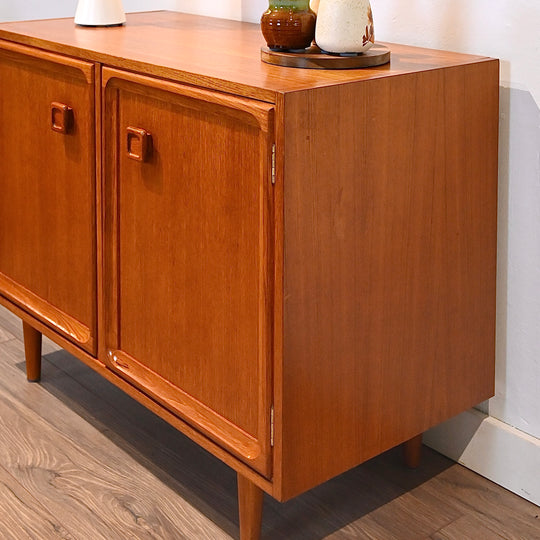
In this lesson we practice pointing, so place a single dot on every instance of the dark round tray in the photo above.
(314, 58)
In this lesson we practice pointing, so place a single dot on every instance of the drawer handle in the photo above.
(139, 144)
(61, 117)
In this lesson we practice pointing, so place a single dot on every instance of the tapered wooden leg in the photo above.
(250, 504)
(32, 350)
(412, 451)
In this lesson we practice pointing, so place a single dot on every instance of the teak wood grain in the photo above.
(203, 51)
(390, 261)
(296, 269)
(206, 230)
(47, 183)
(51, 315)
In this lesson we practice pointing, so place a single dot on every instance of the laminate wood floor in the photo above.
(81, 460)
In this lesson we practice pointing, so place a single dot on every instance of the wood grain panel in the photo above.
(56, 63)
(61, 322)
(47, 180)
(212, 53)
(182, 404)
(390, 258)
(196, 310)
(246, 111)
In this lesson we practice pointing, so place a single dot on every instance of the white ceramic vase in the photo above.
(344, 26)
(100, 13)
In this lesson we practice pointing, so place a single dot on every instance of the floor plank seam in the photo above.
(144, 481)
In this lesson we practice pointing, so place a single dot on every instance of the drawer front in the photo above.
(188, 236)
(47, 186)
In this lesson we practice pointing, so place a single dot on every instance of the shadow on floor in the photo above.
(210, 486)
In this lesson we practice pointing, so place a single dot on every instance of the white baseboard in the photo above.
(507, 456)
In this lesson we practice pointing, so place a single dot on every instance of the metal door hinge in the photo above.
(273, 164)
(272, 426)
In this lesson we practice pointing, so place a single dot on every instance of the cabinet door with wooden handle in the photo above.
(48, 168)
(206, 195)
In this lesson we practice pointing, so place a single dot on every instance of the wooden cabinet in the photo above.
(296, 268)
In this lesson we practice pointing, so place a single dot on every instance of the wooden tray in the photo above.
(314, 58)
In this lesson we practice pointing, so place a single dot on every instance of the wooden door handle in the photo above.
(139, 144)
(61, 117)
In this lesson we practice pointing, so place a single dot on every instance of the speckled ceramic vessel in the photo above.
(344, 26)
(288, 25)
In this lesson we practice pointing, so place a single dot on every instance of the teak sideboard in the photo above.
(295, 268)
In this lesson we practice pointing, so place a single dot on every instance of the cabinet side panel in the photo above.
(390, 260)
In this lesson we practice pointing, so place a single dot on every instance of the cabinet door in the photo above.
(47, 189)
(188, 229)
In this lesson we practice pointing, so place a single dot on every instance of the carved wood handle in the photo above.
(61, 117)
(139, 144)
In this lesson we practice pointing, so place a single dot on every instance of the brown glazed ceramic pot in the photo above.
(288, 24)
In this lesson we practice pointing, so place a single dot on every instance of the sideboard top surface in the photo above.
(214, 53)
